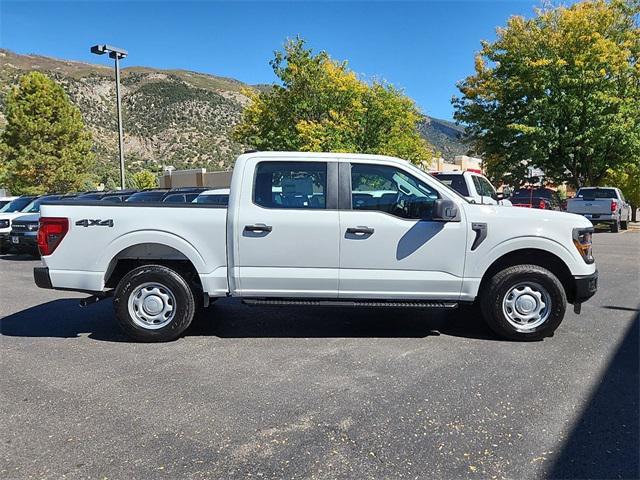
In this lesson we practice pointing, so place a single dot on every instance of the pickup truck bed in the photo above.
(107, 234)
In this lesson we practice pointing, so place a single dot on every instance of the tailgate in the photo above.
(596, 206)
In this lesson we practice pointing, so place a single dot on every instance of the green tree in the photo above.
(141, 180)
(321, 105)
(627, 179)
(558, 91)
(45, 145)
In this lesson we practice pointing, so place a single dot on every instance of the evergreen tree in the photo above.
(45, 146)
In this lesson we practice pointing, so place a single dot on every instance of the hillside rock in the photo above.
(171, 117)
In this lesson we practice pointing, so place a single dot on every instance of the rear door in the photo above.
(287, 229)
(390, 247)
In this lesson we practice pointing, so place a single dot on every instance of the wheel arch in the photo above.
(533, 256)
(150, 253)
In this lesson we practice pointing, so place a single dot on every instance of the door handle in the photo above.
(258, 227)
(360, 230)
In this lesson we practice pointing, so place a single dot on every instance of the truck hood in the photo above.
(527, 216)
(28, 218)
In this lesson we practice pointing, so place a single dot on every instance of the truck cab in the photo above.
(474, 186)
(314, 228)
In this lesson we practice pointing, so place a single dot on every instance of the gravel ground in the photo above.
(320, 393)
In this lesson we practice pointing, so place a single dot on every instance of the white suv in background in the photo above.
(475, 187)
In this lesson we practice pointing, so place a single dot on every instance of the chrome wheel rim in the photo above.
(152, 305)
(526, 306)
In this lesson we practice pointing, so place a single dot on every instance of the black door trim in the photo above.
(344, 186)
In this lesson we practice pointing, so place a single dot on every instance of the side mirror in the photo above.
(445, 210)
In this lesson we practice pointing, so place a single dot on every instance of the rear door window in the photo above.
(301, 185)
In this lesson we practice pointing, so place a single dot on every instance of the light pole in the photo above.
(117, 54)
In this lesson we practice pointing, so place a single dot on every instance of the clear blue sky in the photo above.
(422, 47)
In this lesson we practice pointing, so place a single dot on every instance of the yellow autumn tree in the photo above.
(320, 105)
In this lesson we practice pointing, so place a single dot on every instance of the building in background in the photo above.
(460, 163)
(194, 177)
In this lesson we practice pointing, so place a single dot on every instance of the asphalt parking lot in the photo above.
(320, 393)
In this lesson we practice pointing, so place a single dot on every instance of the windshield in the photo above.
(146, 196)
(217, 199)
(596, 193)
(447, 187)
(90, 196)
(456, 182)
(533, 192)
(34, 207)
(175, 198)
(16, 205)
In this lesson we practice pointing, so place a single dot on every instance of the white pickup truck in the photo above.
(321, 229)
(474, 186)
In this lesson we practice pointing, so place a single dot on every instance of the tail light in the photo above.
(51, 232)
(542, 205)
(614, 205)
(582, 240)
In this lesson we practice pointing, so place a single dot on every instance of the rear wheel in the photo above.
(615, 226)
(154, 304)
(524, 302)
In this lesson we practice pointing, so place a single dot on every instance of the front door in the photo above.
(390, 247)
(287, 230)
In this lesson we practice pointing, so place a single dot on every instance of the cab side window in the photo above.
(391, 190)
(301, 185)
(483, 187)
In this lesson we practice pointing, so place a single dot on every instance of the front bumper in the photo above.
(585, 287)
(25, 240)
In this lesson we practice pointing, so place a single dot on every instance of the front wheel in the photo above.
(524, 302)
(154, 304)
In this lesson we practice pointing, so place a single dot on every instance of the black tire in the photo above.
(624, 225)
(492, 296)
(183, 308)
(615, 226)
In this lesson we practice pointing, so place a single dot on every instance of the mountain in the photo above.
(171, 117)
(446, 136)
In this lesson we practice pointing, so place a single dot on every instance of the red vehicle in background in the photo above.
(542, 198)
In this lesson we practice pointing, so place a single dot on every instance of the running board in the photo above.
(351, 303)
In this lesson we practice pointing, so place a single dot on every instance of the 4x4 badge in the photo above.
(94, 223)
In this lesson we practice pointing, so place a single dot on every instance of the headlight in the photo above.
(32, 227)
(4, 223)
(582, 240)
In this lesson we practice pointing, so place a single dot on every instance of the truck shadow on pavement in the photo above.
(604, 442)
(230, 318)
